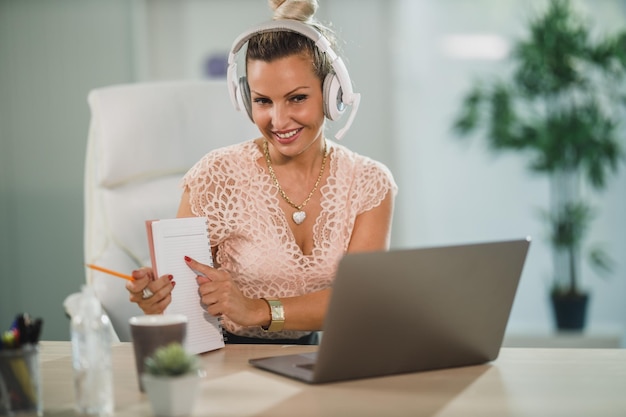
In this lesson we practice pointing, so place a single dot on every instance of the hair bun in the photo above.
(302, 10)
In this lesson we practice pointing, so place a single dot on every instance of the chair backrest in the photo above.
(142, 139)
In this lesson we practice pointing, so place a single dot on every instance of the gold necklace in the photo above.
(299, 215)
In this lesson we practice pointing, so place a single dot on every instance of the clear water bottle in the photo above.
(91, 356)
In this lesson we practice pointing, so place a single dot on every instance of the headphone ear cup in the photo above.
(243, 95)
(334, 107)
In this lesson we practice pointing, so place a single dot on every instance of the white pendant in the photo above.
(299, 217)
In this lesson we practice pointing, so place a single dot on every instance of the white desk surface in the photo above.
(521, 382)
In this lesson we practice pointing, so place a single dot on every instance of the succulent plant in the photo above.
(171, 360)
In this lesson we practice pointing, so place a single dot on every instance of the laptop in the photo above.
(412, 310)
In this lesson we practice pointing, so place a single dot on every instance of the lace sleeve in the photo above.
(199, 183)
(373, 181)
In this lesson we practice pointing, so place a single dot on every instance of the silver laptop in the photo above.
(412, 310)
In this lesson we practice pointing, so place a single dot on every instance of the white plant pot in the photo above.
(171, 396)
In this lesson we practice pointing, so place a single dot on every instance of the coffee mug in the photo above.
(151, 331)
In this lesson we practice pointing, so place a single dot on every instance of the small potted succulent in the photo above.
(171, 380)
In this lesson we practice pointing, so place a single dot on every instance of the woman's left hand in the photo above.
(221, 296)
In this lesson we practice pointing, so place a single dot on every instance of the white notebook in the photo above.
(170, 240)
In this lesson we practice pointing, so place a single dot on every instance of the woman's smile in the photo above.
(286, 137)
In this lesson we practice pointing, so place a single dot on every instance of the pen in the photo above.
(110, 272)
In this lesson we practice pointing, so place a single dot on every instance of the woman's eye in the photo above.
(261, 100)
(298, 98)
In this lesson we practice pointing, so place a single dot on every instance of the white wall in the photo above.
(52, 53)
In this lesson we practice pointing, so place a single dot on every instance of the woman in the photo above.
(282, 209)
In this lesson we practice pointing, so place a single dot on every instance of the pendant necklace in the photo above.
(299, 215)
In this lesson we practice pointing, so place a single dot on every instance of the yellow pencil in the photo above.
(110, 272)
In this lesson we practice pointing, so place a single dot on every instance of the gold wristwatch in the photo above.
(277, 313)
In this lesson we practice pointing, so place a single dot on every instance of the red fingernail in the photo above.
(170, 277)
(187, 259)
(173, 283)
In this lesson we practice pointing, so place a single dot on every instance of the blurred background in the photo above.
(412, 61)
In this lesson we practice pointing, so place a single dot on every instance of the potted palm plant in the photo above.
(171, 380)
(562, 106)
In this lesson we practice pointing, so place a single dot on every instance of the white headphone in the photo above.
(336, 89)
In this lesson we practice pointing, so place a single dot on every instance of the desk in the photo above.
(521, 382)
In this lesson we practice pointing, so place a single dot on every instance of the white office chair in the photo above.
(142, 139)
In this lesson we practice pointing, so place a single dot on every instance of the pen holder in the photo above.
(20, 384)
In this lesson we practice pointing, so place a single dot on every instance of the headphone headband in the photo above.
(340, 92)
(284, 25)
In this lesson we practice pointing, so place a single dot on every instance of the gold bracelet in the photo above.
(277, 315)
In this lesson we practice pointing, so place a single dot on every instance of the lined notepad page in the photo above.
(173, 239)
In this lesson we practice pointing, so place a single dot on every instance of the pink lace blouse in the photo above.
(252, 235)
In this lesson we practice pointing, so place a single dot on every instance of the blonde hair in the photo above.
(270, 46)
(302, 10)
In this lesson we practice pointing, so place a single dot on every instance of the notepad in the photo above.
(170, 240)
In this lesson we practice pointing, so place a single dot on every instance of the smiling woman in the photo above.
(282, 209)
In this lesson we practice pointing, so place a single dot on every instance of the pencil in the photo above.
(110, 272)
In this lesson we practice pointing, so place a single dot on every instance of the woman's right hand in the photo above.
(160, 288)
